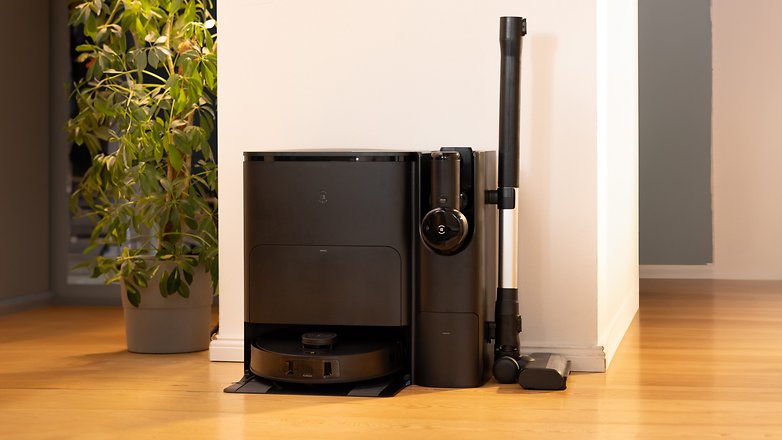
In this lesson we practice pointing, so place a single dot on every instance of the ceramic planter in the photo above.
(170, 324)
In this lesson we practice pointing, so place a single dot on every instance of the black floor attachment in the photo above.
(383, 387)
(545, 371)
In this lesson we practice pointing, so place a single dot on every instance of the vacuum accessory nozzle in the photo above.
(545, 371)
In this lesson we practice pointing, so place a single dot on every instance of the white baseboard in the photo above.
(25, 302)
(226, 350)
(613, 334)
(705, 271)
(587, 359)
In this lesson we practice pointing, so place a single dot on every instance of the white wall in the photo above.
(746, 153)
(747, 130)
(411, 75)
(617, 145)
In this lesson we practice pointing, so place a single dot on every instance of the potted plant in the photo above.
(146, 112)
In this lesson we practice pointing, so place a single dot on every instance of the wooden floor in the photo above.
(702, 360)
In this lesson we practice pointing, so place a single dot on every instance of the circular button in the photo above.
(444, 230)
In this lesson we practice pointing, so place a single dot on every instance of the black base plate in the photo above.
(383, 387)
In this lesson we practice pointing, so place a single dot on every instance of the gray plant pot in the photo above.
(173, 324)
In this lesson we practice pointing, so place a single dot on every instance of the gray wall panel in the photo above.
(24, 180)
(675, 131)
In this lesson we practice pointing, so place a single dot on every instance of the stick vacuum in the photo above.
(543, 371)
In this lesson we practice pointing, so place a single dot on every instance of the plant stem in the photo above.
(167, 32)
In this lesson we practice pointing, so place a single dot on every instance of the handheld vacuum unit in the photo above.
(366, 271)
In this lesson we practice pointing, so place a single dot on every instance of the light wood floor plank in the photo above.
(701, 361)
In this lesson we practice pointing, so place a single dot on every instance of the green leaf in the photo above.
(184, 290)
(140, 59)
(161, 52)
(139, 26)
(163, 284)
(210, 77)
(174, 219)
(133, 294)
(101, 105)
(101, 35)
(191, 223)
(162, 223)
(153, 59)
(106, 48)
(188, 66)
(92, 142)
(148, 181)
(74, 18)
(173, 283)
(141, 280)
(188, 275)
(90, 25)
(173, 81)
(180, 101)
(86, 48)
(175, 157)
(97, 6)
(96, 272)
(97, 67)
(166, 184)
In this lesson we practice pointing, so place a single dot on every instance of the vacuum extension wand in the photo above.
(545, 371)
(506, 312)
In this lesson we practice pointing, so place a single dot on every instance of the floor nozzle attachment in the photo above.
(545, 371)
